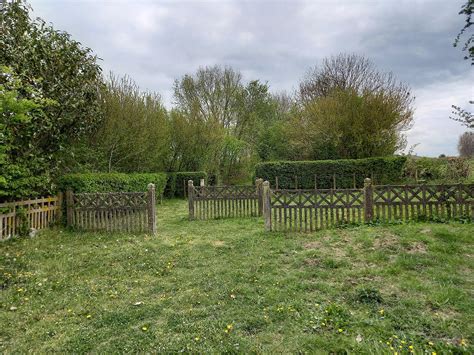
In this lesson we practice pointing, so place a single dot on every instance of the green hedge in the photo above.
(386, 170)
(176, 182)
(112, 182)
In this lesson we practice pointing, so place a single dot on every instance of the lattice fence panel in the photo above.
(310, 210)
(211, 202)
(418, 202)
(124, 211)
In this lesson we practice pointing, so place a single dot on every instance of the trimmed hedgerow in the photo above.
(112, 182)
(176, 182)
(385, 170)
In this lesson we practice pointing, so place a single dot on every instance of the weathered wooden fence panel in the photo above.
(36, 214)
(210, 202)
(113, 211)
(418, 202)
(309, 210)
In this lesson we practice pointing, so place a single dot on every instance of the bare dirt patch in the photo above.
(218, 243)
(417, 248)
(313, 245)
(387, 241)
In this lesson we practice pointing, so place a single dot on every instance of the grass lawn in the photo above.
(226, 285)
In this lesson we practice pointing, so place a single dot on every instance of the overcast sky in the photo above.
(156, 42)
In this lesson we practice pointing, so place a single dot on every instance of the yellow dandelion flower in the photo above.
(463, 342)
(430, 343)
(339, 330)
(144, 328)
(433, 353)
(381, 311)
(410, 347)
(197, 338)
(88, 316)
(229, 326)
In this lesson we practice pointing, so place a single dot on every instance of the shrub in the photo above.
(177, 182)
(112, 182)
(386, 170)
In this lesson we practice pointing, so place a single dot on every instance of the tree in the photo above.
(134, 133)
(224, 119)
(467, 9)
(348, 109)
(466, 145)
(460, 114)
(59, 69)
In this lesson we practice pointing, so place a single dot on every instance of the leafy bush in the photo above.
(112, 182)
(386, 170)
(176, 182)
(441, 170)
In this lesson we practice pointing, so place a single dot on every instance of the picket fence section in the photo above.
(31, 214)
(211, 202)
(113, 211)
(309, 210)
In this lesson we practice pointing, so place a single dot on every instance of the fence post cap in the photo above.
(266, 183)
(151, 186)
(367, 181)
(190, 183)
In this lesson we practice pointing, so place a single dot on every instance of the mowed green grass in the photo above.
(226, 285)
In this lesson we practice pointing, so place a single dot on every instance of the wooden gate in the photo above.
(113, 211)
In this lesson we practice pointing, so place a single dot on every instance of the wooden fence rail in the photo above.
(309, 210)
(113, 211)
(210, 202)
(29, 214)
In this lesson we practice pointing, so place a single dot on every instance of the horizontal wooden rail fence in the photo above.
(210, 202)
(309, 210)
(29, 214)
(113, 211)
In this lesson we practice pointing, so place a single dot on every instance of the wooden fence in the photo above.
(113, 211)
(209, 202)
(309, 210)
(30, 214)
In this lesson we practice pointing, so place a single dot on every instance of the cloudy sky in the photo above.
(156, 42)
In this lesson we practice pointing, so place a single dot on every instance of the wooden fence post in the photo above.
(368, 200)
(151, 208)
(59, 213)
(259, 188)
(202, 183)
(190, 199)
(267, 208)
(69, 207)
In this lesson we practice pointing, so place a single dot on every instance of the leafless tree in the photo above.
(352, 72)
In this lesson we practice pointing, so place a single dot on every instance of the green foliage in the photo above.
(384, 171)
(348, 125)
(112, 182)
(23, 167)
(133, 135)
(177, 182)
(443, 169)
(62, 70)
(368, 295)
